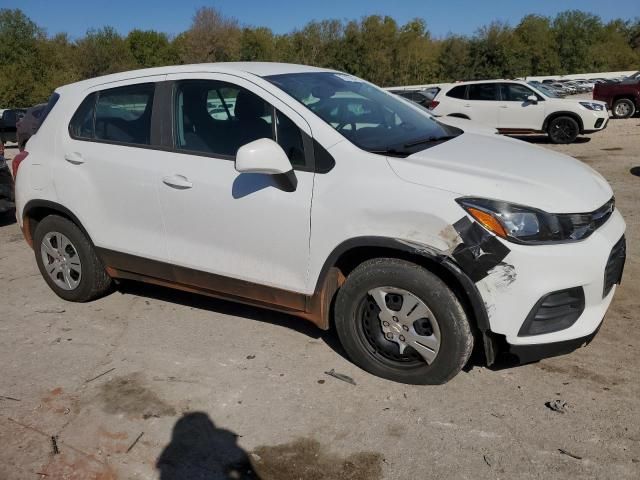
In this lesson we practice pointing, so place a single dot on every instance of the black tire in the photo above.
(623, 108)
(563, 130)
(93, 281)
(456, 339)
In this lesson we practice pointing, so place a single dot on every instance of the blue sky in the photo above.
(173, 16)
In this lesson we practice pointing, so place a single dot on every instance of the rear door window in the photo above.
(123, 114)
(483, 91)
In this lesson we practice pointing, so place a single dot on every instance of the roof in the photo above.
(260, 69)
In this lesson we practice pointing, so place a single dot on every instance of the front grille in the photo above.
(555, 311)
(615, 266)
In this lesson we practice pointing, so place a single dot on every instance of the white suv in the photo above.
(520, 108)
(315, 193)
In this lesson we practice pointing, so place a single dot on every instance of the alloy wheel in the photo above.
(61, 261)
(623, 109)
(564, 130)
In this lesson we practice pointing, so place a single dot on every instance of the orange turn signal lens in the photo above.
(488, 221)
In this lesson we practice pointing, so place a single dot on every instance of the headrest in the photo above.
(249, 106)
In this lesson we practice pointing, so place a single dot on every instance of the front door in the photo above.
(517, 111)
(242, 226)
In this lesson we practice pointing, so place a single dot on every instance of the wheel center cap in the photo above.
(395, 327)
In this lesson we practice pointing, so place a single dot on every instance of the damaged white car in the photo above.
(315, 193)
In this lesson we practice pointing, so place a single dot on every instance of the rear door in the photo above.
(516, 111)
(482, 103)
(108, 174)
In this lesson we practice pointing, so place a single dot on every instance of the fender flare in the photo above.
(563, 113)
(34, 205)
(413, 249)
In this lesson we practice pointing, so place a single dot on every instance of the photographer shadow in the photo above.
(200, 450)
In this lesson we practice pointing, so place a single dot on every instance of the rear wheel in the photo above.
(67, 261)
(623, 108)
(399, 321)
(563, 130)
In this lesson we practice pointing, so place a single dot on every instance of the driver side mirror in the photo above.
(532, 99)
(264, 156)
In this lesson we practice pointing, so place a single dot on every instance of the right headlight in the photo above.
(521, 224)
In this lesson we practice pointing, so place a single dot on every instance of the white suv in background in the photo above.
(315, 193)
(515, 107)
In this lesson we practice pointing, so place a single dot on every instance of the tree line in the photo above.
(377, 48)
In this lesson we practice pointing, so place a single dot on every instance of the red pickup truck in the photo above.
(623, 97)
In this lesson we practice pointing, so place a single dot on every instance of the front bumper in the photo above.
(532, 353)
(595, 121)
(529, 273)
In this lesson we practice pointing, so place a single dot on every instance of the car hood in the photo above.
(467, 125)
(574, 102)
(506, 169)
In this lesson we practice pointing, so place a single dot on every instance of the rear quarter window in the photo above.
(53, 99)
(457, 92)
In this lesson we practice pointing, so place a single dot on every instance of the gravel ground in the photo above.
(151, 383)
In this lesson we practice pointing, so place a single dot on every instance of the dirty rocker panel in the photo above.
(314, 307)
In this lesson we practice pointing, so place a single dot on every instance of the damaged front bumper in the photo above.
(547, 300)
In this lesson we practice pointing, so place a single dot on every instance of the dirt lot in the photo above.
(150, 383)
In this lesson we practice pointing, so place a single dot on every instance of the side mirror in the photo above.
(264, 156)
(532, 99)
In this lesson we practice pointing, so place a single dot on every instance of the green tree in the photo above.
(416, 55)
(454, 59)
(101, 52)
(258, 44)
(212, 37)
(537, 44)
(495, 53)
(19, 50)
(575, 34)
(150, 48)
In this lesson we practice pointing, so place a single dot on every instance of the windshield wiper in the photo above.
(393, 152)
(429, 140)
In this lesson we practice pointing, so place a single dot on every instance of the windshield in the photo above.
(544, 90)
(364, 114)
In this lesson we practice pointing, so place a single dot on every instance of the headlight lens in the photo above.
(528, 225)
(592, 106)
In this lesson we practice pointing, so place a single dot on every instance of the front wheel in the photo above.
(399, 321)
(563, 130)
(67, 261)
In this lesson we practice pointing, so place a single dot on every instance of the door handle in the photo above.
(74, 158)
(467, 104)
(504, 106)
(177, 181)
